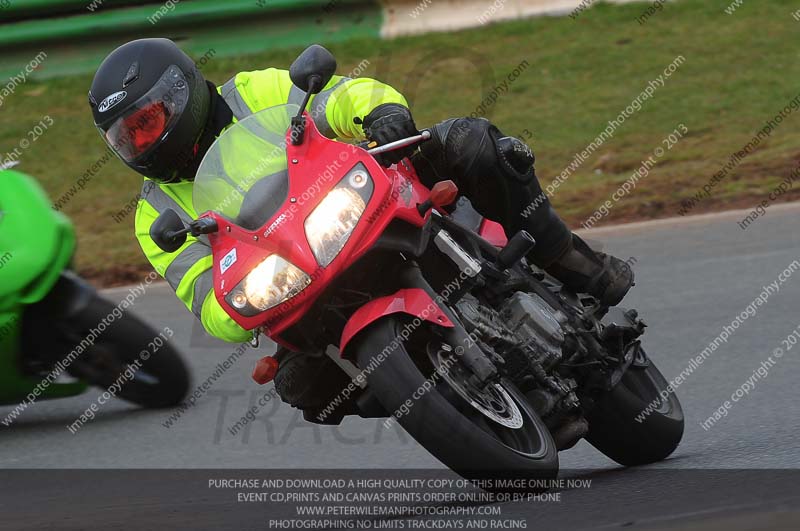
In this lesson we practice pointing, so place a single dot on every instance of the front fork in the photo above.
(478, 363)
(69, 295)
(472, 272)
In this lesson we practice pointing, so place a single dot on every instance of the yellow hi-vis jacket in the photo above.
(189, 270)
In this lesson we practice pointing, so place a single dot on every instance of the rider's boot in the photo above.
(565, 255)
(584, 270)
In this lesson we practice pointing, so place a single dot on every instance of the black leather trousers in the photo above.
(496, 174)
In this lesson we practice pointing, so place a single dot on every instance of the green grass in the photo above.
(740, 70)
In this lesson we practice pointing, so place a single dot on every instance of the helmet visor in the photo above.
(150, 118)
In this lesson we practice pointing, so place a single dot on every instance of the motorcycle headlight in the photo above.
(332, 222)
(272, 282)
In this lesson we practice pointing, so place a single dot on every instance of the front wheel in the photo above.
(480, 434)
(160, 381)
(640, 420)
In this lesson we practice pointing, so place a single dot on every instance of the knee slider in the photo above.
(516, 158)
(476, 147)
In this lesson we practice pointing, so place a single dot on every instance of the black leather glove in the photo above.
(387, 123)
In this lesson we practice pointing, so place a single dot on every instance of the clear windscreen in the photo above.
(247, 167)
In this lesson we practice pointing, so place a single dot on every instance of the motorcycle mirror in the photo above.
(312, 69)
(168, 231)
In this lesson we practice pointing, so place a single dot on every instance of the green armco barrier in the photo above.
(20, 8)
(111, 21)
(76, 43)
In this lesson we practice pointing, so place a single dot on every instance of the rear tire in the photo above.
(462, 438)
(618, 428)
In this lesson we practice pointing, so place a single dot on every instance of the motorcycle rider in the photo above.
(154, 108)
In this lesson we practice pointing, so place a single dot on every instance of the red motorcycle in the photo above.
(441, 323)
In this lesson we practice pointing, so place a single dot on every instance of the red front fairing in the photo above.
(315, 167)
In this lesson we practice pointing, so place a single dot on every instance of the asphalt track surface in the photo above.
(694, 276)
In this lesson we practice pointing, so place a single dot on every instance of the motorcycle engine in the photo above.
(534, 320)
(528, 334)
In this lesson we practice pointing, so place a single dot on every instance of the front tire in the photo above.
(633, 424)
(161, 381)
(457, 434)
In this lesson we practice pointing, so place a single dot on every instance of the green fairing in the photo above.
(36, 245)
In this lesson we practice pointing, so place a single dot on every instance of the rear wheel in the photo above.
(487, 433)
(638, 421)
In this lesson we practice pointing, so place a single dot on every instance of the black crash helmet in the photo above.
(151, 104)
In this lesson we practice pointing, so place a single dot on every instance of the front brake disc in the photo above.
(493, 402)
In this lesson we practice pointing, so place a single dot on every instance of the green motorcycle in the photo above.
(57, 335)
